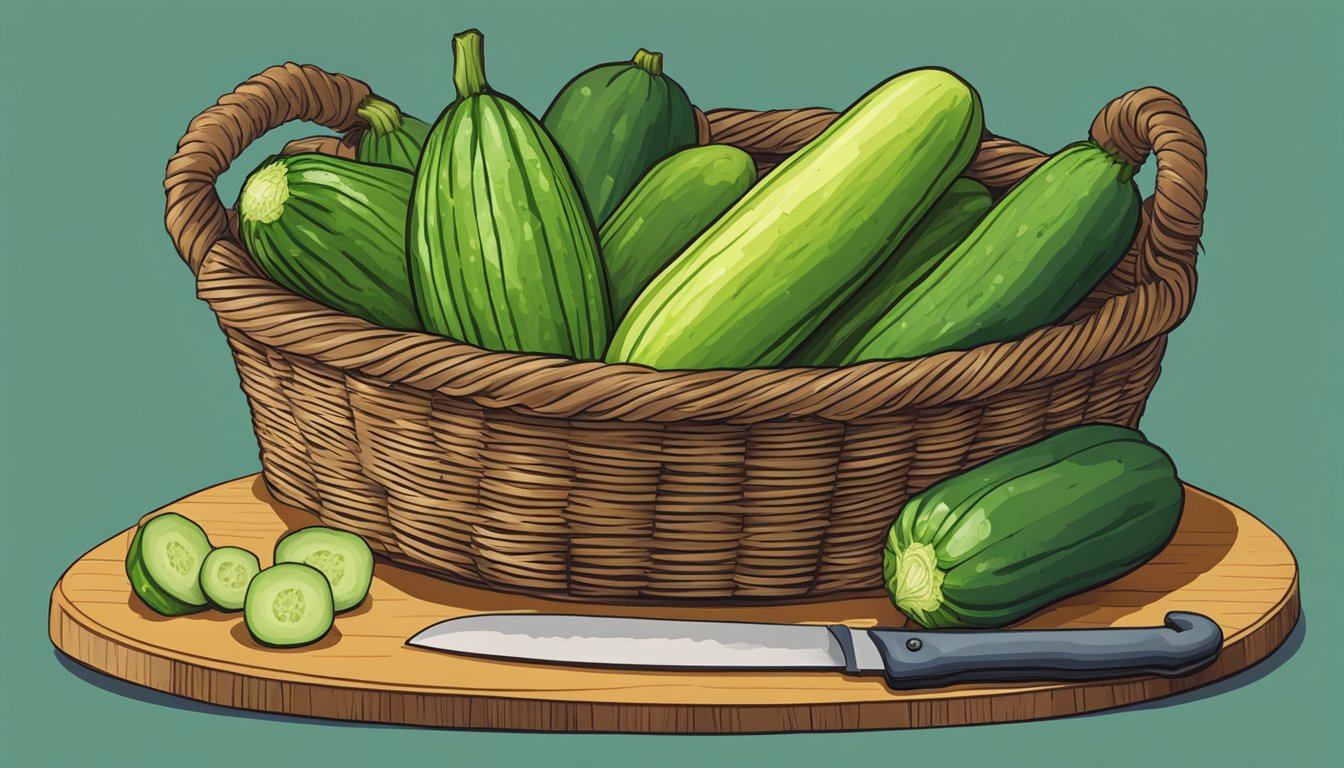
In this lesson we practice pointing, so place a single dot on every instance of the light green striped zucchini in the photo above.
(502, 252)
(764, 276)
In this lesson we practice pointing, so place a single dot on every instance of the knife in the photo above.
(907, 658)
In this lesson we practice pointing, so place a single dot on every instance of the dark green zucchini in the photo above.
(1038, 253)
(960, 208)
(333, 230)
(615, 121)
(503, 254)
(996, 543)
(392, 138)
(673, 203)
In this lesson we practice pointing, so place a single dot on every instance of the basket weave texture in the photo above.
(617, 483)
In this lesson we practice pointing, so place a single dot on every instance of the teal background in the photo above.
(118, 394)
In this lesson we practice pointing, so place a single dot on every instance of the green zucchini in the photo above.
(502, 252)
(288, 605)
(344, 558)
(615, 121)
(333, 230)
(163, 564)
(750, 289)
(996, 543)
(673, 203)
(960, 208)
(225, 574)
(392, 138)
(1039, 252)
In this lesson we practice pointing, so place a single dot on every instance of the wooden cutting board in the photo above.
(1222, 562)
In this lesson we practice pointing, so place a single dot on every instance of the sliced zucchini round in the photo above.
(225, 574)
(288, 605)
(344, 558)
(164, 564)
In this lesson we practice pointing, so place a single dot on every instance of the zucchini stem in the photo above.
(469, 64)
(649, 61)
(383, 116)
(1127, 171)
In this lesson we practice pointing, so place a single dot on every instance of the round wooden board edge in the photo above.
(82, 643)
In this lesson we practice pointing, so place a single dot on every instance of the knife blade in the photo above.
(907, 658)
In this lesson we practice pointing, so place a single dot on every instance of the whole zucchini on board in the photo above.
(392, 138)
(764, 276)
(1038, 253)
(333, 230)
(502, 252)
(674, 202)
(615, 121)
(960, 208)
(996, 543)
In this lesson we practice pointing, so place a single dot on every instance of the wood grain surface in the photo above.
(1222, 562)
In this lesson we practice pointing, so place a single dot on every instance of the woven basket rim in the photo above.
(679, 392)
(248, 303)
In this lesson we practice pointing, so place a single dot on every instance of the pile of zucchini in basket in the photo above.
(602, 231)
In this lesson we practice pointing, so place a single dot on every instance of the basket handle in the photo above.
(194, 215)
(1153, 120)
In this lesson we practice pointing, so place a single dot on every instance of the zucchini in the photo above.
(225, 574)
(673, 203)
(750, 289)
(949, 221)
(163, 564)
(996, 543)
(344, 558)
(614, 121)
(393, 138)
(1038, 253)
(287, 605)
(333, 230)
(502, 252)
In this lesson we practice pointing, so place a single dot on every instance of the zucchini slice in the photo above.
(288, 605)
(164, 564)
(225, 574)
(344, 558)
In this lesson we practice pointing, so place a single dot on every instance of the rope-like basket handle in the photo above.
(1152, 120)
(195, 217)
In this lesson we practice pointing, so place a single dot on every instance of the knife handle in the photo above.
(923, 658)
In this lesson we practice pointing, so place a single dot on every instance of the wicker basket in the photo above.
(617, 483)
